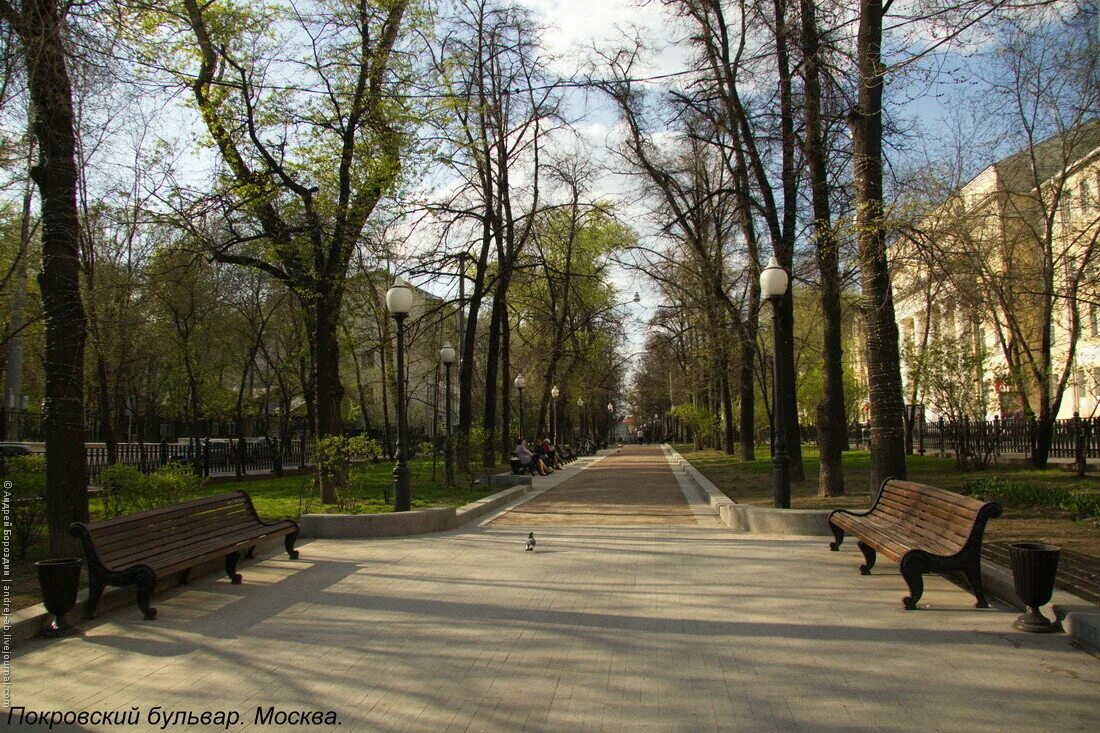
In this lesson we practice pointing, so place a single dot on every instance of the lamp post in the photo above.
(399, 301)
(520, 383)
(447, 356)
(610, 424)
(554, 394)
(773, 286)
(580, 418)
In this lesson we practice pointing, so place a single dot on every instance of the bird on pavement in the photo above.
(530, 547)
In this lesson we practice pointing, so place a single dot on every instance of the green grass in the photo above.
(292, 496)
(1049, 505)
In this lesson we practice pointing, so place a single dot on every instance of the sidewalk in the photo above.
(668, 626)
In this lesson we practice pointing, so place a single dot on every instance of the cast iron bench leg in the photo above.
(911, 570)
(146, 581)
(96, 584)
(868, 556)
(288, 542)
(838, 533)
(974, 578)
(231, 561)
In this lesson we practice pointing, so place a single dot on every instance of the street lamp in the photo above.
(520, 383)
(554, 394)
(773, 286)
(610, 423)
(580, 419)
(399, 300)
(447, 356)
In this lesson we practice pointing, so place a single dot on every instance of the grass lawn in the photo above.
(750, 483)
(292, 496)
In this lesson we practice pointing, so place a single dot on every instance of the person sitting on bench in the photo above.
(529, 460)
(550, 454)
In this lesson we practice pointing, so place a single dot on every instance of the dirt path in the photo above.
(633, 487)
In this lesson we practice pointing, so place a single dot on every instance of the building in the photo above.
(1000, 279)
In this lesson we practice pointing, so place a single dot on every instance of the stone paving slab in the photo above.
(656, 628)
(662, 627)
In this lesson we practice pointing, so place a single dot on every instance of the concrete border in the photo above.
(756, 519)
(401, 524)
(769, 520)
(510, 479)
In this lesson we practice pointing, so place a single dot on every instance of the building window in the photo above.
(1086, 197)
(1094, 327)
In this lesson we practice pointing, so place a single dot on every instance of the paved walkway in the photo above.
(669, 627)
(635, 486)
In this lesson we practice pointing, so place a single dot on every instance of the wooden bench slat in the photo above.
(131, 554)
(220, 546)
(184, 508)
(930, 515)
(179, 524)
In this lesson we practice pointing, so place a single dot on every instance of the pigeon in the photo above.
(530, 547)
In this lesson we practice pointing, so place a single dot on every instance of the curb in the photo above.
(402, 524)
(755, 519)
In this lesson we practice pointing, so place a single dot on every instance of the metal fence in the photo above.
(1003, 437)
(207, 456)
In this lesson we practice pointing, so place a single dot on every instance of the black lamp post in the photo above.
(580, 419)
(610, 424)
(399, 300)
(447, 356)
(520, 383)
(554, 394)
(773, 286)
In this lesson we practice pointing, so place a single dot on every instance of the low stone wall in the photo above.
(510, 479)
(769, 520)
(756, 519)
(400, 524)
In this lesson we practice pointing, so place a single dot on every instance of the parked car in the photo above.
(15, 449)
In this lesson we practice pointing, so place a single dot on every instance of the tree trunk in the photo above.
(39, 27)
(883, 359)
(106, 413)
(492, 365)
(326, 383)
(830, 413)
(506, 437)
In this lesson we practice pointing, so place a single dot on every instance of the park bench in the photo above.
(922, 528)
(138, 548)
(518, 468)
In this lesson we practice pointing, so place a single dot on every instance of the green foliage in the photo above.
(25, 518)
(126, 490)
(335, 456)
(698, 418)
(1079, 506)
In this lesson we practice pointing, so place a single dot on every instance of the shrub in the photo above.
(25, 480)
(125, 490)
(1017, 494)
(1082, 506)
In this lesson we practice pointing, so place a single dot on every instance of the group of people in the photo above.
(541, 457)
